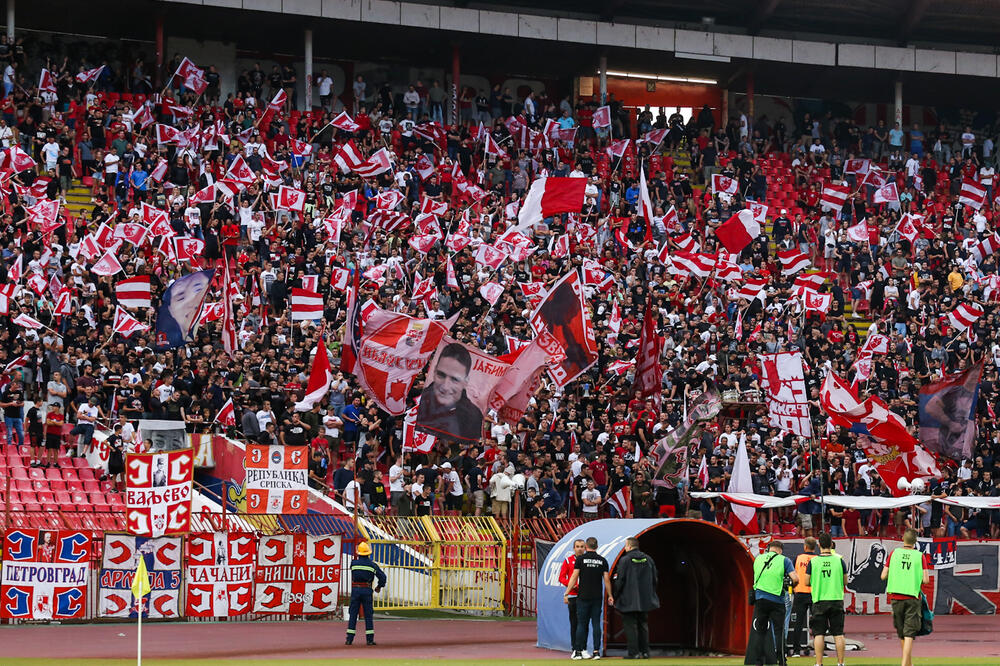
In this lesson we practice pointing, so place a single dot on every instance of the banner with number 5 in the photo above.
(277, 479)
(158, 493)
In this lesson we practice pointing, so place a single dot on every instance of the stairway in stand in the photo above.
(79, 201)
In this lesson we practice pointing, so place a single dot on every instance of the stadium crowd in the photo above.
(576, 446)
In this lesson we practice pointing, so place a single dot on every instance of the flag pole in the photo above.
(139, 634)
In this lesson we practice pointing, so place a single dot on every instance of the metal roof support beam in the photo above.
(764, 10)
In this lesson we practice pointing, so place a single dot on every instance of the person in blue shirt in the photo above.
(917, 141)
(350, 416)
(364, 573)
(139, 179)
(632, 195)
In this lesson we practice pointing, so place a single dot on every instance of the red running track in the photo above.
(954, 635)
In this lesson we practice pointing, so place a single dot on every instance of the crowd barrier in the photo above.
(439, 562)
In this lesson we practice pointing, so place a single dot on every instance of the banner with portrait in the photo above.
(456, 392)
(277, 478)
(177, 318)
(513, 392)
(563, 313)
(119, 562)
(44, 574)
(297, 574)
(158, 493)
(219, 574)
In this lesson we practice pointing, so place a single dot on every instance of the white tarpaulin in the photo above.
(852, 502)
(752, 500)
(974, 503)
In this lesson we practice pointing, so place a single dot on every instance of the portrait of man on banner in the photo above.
(178, 314)
(459, 382)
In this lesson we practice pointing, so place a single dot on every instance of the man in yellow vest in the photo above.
(802, 600)
(826, 574)
(905, 574)
(770, 570)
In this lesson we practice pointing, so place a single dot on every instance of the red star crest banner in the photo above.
(393, 350)
(297, 574)
(119, 561)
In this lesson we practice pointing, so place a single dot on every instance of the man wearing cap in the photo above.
(782, 227)
(364, 572)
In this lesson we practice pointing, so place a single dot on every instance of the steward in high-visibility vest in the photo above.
(905, 573)
(802, 599)
(826, 575)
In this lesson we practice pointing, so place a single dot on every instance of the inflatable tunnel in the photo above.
(704, 575)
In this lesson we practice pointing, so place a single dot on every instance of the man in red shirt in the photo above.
(565, 571)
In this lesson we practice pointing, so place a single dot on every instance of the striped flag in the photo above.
(793, 261)
(973, 194)
(126, 324)
(965, 315)
(686, 243)
(697, 264)
(622, 501)
(834, 196)
(808, 281)
(751, 288)
(985, 247)
(134, 292)
(306, 305)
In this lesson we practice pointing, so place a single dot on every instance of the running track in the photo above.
(954, 635)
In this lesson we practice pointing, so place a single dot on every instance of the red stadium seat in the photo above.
(36, 473)
(64, 499)
(57, 485)
(46, 496)
(86, 473)
(53, 474)
(92, 486)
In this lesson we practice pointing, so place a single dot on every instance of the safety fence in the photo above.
(524, 535)
(446, 562)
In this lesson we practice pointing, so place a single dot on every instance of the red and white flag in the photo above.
(27, 321)
(724, 184)
(132, 232)
(857, 166)
(306, 305)
(817, 302)
(126, 324)
(671, 221)
(64, 304)
(491, 147)
(738, 231)
(143, 117)
(751, 288)
(648, 380)
(645, 203)
(973, 194)
(230, 290)
(491, 291)
(834, 196)
(378, 163)
(655, 137)
(602, 117)
(292, 199)
(858, 232)
(107, 265)
(278, 101)
(188, 249)
(425, 167)
(241, 172)
(389, 199)
(90, 75)
(134, 292)
(166, 134)
(618, 148)
(622, 501)
(490, 255)
(808, 281)
(431, 207)
(450, 279)
(551, 196)
(159, 172)
(560, 248)
(965, 315)
(47, 82)
(345, 122)
(703, 472)
(874, 177)
(907, 228)
(793, 261)
(226, 415)
(694, 263)
(985, 247)
(685, 242)
(886, 194)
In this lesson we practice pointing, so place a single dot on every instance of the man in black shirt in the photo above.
(592, 573)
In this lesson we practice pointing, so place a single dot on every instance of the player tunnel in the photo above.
(704, 576)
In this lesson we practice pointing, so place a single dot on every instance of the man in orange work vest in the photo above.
(802, 601)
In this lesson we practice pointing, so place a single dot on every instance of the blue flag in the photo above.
(178, 316)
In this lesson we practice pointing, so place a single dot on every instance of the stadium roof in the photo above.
(909, 22)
